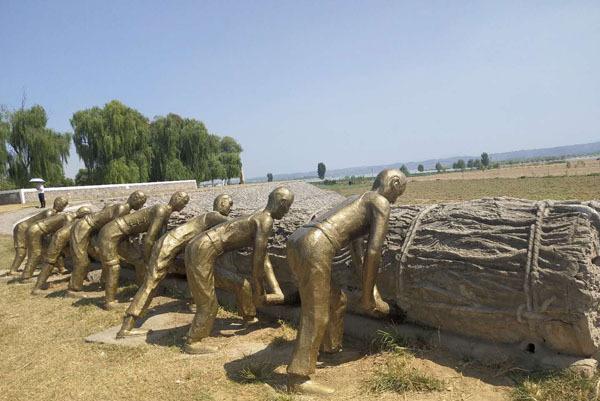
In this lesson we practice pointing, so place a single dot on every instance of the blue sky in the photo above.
(298, 82)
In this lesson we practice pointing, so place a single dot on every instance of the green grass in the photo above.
(556, 386)
(535, 188)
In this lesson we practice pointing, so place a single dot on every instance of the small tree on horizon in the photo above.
(269, 177)
(439, 167)
(421, 168)
(460, 164)
(485, 160)
(321, 170)
(404, 170)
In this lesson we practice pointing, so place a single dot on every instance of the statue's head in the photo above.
(136, 200)
(60, 203)
(390, 183)
(179, 200)
(280, 201)
(83, 211)
(223, 204)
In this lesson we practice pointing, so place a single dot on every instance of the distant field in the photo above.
(577, 167)
(438, 189)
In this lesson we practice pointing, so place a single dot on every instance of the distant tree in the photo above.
(477, 164)
(439, 167)
(421, 168)
(83, 177)
(114, 143)
(33, 149)
(460, 164)
(216, 169)
(269, 177)
(4, 133)
(321, 170)
(232, 164)
(230, 145)
(404, 170)
(485, 160)
(470, 163)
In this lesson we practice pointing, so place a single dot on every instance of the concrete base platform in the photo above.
(159, 326)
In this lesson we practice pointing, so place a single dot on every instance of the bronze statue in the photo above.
(151, 220)
(58, 244)
(35, 237)
(164, 252)
(83, 230)
(20, 231)
(202, 252)
(310, 250)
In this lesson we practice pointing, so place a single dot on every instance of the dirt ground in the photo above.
(566, 168)
(419, 191)
(43, 357)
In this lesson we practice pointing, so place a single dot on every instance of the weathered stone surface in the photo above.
(499, 269)
(503, 270)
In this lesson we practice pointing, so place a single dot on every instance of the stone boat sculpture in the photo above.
(498, 269)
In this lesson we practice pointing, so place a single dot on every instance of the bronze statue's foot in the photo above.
(13, 273)
(132, 333)
(198, 348)
(303, 385)
(25, 280)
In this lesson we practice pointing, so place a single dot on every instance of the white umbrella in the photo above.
(37, 180)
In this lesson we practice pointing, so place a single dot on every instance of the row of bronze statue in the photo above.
(104, 235)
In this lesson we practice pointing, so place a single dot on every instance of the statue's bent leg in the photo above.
(113, 272)
(42, 278)
(80, 241)
(334, 333)
(109, 243)
(143, 297)
(312, 267)
(200, 258)
(34, 251)
(241, 288)
(20, 244)
(310, 256)
(52, 259)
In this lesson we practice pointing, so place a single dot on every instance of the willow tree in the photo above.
(114, 143)
(182, 148)
(33, 149)
(230, 157)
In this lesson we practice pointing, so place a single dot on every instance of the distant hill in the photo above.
(527, 154)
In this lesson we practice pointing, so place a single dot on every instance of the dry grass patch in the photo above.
(397, 374)
(557, 386)
(256, 372)
(285, 333)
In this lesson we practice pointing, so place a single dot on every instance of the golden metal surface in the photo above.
(164, 252)
(201, 253)
(59, 243)
(84, 229)
(310, 250)
(150, 220)
(20, 232)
